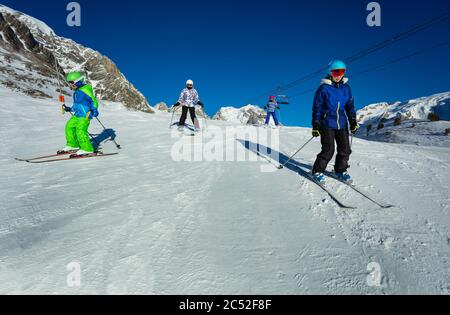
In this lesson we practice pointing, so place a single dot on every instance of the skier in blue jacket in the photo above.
(333, 114)
(271, 108)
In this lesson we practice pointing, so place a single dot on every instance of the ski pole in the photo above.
(206, 124)
(205, 119)
(111, 136)
(91, 136)
(173, 115)
(290, 159)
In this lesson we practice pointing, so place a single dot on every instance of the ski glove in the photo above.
(67, 109)
(93, 113)
(316, 130)
(354, 127)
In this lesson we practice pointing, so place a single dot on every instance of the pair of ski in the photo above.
(63, 156)
(333, 196)
(189, 131)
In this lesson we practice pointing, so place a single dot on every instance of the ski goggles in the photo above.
(338, 72)
(74, 83)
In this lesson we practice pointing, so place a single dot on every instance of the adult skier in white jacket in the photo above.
(188, 100)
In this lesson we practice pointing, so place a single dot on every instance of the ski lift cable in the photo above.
(399, 37)
(368, 51)
(422, 51)
(379, 46)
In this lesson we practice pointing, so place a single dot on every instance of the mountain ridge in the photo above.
(31, 54)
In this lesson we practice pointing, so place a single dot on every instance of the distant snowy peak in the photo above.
(416, 109)
(247, 115)
(408, 122)
(34, 61)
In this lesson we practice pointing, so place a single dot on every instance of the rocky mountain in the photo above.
(247, 115)
(162, 107)
(34, 61)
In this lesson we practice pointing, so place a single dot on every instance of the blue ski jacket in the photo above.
(271, 107)
(83, 103)
(334, 106)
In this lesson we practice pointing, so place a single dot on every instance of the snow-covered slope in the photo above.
(142, 223)
(413, 125)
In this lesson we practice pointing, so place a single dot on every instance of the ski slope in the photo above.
(141, 223)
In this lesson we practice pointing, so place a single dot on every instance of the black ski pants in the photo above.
(328, 139)
(184, 114)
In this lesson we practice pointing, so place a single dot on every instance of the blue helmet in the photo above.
(336, 65)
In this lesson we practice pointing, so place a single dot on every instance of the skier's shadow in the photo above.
(108, 134)
(275, 156)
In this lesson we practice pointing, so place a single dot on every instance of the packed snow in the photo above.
(141, 223)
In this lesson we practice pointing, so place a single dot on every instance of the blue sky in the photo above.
(236, 50)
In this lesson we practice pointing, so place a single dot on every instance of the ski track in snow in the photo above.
(141, 223)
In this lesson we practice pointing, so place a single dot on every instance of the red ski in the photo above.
(73, 157)
(45, 157)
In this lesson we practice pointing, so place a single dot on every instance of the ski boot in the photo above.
(67, 150)
(344, 177)
(319, 178)
(80, 153)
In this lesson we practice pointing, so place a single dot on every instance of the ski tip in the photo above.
(22, 160)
